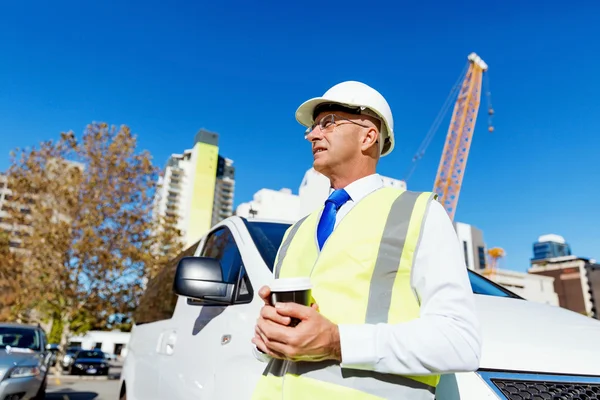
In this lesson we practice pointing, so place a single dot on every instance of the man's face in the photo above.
(335, 140)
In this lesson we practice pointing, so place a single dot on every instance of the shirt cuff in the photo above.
(358, 347)
(260, 356)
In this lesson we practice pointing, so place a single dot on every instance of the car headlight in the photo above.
(22, 372)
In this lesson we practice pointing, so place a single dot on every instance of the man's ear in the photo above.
(370, 139)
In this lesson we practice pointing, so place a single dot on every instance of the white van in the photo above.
(196, 344)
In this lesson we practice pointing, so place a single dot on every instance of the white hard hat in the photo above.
(357, 98)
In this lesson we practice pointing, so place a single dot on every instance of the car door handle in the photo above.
(170, 343)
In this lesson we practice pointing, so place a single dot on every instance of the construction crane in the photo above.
(451, 169)
(460, 135)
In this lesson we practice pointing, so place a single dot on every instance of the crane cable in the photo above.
(436, 123)
(488, 95)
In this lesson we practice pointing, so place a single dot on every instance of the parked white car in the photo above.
(198, 345)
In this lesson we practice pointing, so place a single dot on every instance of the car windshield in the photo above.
(267, 237)
(90, 354)
(23, 338)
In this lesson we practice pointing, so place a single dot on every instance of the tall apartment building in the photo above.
(224, 188)
(197, 187)
(5, 226)
(15, 230)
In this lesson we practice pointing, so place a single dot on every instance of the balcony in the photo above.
(171, 213)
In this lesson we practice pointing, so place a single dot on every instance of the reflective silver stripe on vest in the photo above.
(275, 367)
(387, 386)
(388, 257)
(286, 245)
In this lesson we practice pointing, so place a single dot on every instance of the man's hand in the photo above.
(315, 338)
(267, 313)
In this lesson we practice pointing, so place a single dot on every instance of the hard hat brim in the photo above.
(305, 113)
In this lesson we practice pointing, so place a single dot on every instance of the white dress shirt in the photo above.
(446, 337)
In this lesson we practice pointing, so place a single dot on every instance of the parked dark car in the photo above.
(89, 362)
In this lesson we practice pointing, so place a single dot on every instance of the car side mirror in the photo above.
(201, 279)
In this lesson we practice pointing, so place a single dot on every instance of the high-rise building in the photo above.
(197, 187)
(19, 228)
(550, 246)
(5, 225)
(224, 188)
(8, 225)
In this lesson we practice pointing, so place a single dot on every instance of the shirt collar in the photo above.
(360, 188)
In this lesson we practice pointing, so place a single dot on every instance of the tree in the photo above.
(93, 239)
(14, 299)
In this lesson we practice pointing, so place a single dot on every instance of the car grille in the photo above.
(538, 386)
(546, 390)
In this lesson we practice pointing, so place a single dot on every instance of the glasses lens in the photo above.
(326, 122)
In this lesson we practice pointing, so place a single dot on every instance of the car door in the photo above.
(237, 358)
(200, 332)
(149, 339)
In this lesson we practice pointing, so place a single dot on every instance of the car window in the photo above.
(90, 354)
(221, 246)
(23, 338)
(482, 285)
(43, 340)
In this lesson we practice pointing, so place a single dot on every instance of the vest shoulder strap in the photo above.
(285, 245)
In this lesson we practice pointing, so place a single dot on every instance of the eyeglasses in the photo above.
(327, 123)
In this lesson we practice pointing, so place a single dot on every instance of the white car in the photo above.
(196, 344)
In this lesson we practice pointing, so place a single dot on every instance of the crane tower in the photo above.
(460, 134)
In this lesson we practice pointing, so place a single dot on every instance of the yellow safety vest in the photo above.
(361, 276)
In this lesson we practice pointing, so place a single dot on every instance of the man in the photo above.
(393, 307)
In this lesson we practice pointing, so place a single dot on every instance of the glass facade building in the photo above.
(550, 249)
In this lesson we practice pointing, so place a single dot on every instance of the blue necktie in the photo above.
(327, 221)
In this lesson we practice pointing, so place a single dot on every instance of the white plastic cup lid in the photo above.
(290, 284)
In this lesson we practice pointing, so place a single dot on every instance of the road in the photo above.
(68, 388)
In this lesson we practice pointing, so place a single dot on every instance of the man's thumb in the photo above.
(265, 293)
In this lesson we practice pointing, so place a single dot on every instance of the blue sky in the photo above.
(242, 68)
